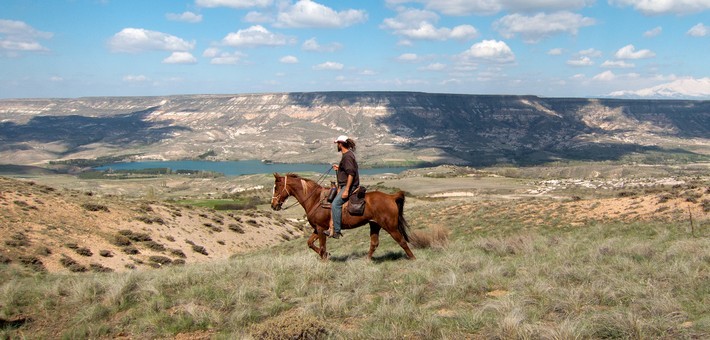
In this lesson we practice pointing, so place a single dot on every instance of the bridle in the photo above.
(305, 190)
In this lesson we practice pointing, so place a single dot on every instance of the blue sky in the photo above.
(551, 48)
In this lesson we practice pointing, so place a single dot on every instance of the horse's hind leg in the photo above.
(374, 238)
(397, 236)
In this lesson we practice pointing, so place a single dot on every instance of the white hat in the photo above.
(342, 139)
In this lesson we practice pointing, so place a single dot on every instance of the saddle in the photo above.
(355, 203)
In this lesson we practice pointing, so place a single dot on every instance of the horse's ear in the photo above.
(276, 175)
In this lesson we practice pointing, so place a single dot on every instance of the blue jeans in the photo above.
(337, 210)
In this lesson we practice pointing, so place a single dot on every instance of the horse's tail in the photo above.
(402, 225)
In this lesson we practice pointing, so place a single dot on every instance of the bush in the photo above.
(95, 267)
(95, 207)
(178, 253)
(33, 263)
(199, 249)
(161, 260)
(136, 237)
(44, 251)
(121, 241)
(154, 246)
(236, 228)
(436, 237)
(130, 250)
(18, 240)
(72, 265)
(105, 253)
(83, 251)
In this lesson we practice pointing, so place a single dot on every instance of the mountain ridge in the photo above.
(391, 127)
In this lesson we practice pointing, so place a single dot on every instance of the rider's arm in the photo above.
(346, 191)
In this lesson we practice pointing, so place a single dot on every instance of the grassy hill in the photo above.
(628, 264)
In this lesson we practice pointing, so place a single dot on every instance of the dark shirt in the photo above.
(348, 166)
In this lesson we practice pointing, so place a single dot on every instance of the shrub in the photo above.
(154, 246)
(72, 245)
(83, 251)
(95, 207)
(121, 241)
(18, 240)
(236, 228)
(95, 267)
(130, 250)
(161, 260)
(44, 251)
(178, 253)
(105, 253)
(33, 263)
(150, 220)
(4, 259)
(199, 249)
(72, 265)
(436, 237)
(136, 237)
(178, 262)
(291, 325)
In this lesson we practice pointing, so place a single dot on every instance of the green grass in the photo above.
(496, 278)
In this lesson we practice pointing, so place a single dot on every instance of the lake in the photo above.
(236, 168)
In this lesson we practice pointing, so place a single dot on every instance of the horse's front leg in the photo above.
(311, 242)
(323, 252)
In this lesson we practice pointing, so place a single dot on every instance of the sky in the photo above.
(548, 48)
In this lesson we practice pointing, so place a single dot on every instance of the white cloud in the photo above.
(17, 36)
(433, 67)
(605, 76)
(309, 14)
(534, 28)
(222, 58)
(185, 17)
(555, 51)
(654, 7)
(289, 59)
(408, 57)
(487, 7)
(581, 61)
(313, 46)
(256, 36)
(135, 78)
(630, 52)
(233, 3)
(56, 79)
(180, 58)
(617, 64)
(421, 25)
(656, 31)
(591, 52)
(368, 72)
(699, 30)
(489, 50)
(328, 66)
(255, 17)
(133, 40)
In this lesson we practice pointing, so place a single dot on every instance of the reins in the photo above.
(321, 178)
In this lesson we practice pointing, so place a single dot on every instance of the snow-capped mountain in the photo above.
(685, 88)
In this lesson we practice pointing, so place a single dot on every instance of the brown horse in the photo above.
(381, 211)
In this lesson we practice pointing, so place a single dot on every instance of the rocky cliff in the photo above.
(390, 128)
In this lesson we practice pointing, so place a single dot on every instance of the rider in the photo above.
(348, 179)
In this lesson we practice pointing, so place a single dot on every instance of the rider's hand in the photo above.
(346, 193)
(336, 167)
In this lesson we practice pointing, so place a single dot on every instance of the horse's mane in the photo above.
(297, 176)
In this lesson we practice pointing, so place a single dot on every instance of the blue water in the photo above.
(236, 168)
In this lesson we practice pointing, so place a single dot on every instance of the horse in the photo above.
(382, 211)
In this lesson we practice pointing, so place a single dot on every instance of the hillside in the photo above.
(625, 262)
(61, 230)
(391, 128)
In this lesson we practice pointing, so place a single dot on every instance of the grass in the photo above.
(482, 273)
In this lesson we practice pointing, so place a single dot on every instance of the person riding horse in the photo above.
(348, 180)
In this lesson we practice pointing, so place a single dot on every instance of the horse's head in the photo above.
(281, 192)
